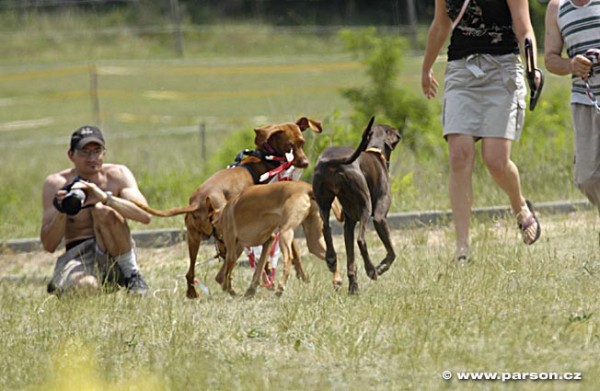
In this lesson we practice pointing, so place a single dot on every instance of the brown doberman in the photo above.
(275, 145)
(251, 218)
(359, 179)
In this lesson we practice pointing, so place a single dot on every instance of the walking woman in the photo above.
(484, 99)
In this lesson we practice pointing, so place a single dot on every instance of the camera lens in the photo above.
(73, 201)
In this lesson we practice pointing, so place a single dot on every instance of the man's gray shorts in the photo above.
(586, 123)
(81, 260)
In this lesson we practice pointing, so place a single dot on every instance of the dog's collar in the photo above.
(379, 152)
(267, 147)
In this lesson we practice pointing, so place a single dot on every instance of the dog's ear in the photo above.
(392, 137)
(307, 123)
(263, 134)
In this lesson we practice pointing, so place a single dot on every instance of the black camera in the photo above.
(74, 200)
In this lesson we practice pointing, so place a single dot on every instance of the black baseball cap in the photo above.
(85, 135)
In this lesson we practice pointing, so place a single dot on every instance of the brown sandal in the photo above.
(527, 223)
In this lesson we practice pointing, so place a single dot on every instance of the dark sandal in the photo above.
(529, 221)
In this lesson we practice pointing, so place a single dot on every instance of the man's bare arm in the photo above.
(53, 222)
(553, 47)
(129, 192)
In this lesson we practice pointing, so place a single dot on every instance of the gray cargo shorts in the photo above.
(484, 96)
(82, 260)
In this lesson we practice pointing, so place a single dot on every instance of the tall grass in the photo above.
(152, 107)
(514, 309)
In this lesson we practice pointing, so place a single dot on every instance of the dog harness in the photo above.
(282, 164)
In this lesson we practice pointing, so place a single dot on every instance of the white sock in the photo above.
(128, 263)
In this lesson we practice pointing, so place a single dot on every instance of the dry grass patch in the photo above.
(515, 309)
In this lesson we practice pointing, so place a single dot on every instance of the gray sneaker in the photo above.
(136, 285)
(113, 278)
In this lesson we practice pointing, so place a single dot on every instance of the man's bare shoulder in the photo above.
(115, 169)
(118, 177)
(552, 7)
(117, 172)
(60, 178)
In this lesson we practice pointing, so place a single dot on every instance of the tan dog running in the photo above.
(271, 140)
(253, 217)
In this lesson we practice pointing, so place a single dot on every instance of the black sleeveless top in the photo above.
(485, 28)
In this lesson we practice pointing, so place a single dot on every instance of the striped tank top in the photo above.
(580, 29)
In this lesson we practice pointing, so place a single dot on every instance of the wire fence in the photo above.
(147, 101)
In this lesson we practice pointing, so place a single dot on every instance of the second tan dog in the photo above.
(272, 142)
(252, 217)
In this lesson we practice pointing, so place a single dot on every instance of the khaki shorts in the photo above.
(586, 123)
(81, 260)
(484, 96)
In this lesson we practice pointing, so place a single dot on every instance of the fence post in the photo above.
(203, 142)
(176, 16)
(94, 94)
(412, 22)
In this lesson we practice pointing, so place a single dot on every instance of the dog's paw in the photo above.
(305, 278)
(337, 285)
(382, 268)
(372, 273)
(279, 290)
(191, 293)
(232, 292)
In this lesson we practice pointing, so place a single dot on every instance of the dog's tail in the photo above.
(169, 212)
(363, 143)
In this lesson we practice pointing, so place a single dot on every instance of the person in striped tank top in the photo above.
(575, 25)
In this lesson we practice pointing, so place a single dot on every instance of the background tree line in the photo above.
(275, 12)
(408, 17)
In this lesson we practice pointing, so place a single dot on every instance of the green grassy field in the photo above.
(151, 108)
(151, 115)
(515, 309)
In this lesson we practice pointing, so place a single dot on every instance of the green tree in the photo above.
(382, 97)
